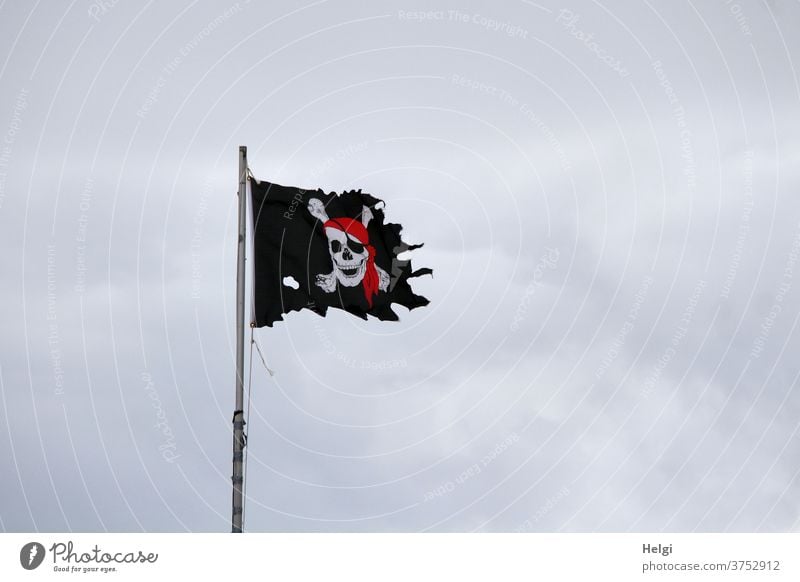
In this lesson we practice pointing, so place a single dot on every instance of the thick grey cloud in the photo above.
(606, 194)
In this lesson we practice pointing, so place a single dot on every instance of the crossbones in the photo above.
(352, 256)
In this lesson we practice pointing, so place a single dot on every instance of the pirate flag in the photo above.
(314, 250)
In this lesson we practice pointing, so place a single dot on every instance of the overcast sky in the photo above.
(608, 198)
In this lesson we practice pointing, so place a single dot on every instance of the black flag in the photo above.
(315, 250)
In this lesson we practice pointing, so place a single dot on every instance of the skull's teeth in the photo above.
(349, 272)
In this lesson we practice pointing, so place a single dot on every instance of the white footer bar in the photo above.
(399, 557)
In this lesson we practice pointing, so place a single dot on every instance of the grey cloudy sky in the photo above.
(607, 196)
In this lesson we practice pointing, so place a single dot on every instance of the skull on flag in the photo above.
(352, 256)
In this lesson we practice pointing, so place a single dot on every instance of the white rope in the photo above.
(247, 424)
(263, 361)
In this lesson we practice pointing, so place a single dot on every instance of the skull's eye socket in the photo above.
(336, 246)
(356, 247)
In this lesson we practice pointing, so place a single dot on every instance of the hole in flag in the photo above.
(290, 282)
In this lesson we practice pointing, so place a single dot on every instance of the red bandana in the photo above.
(355, 229)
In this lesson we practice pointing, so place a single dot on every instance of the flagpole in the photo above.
(238, 413)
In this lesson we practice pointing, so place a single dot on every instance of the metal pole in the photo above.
(238, 413)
